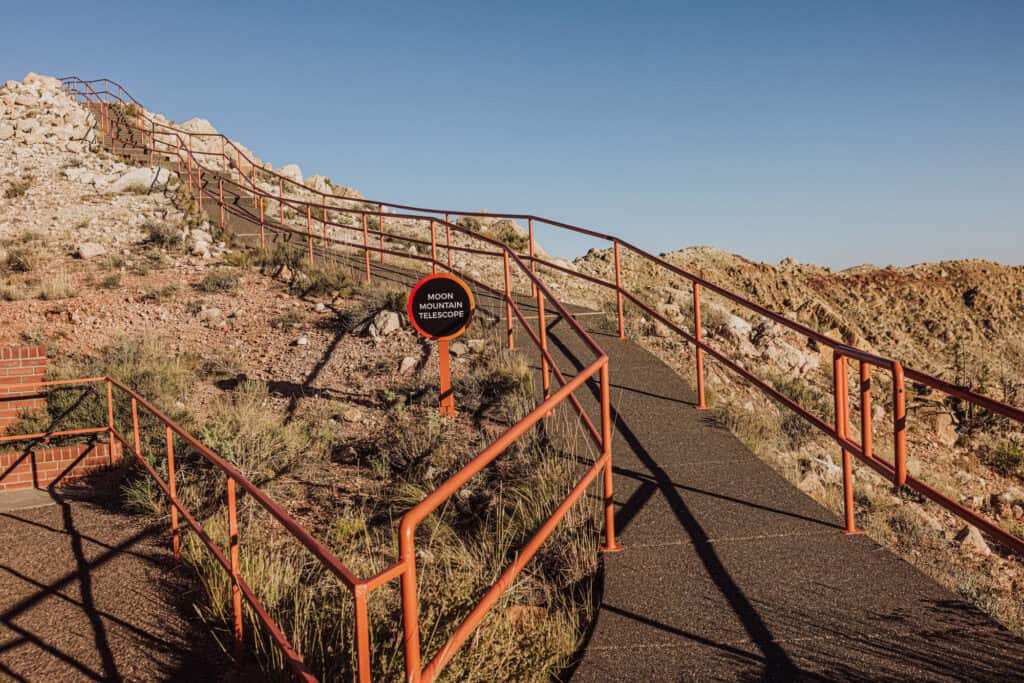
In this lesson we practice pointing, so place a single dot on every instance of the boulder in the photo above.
(971, 540)
(141, 177)
(292, 172)
(458, 349)
(407, 365)
(385, 323)
(476, 345)
(319, 183)
(6, 131)
(88, 250)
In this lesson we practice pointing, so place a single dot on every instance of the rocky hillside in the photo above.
(963, 320)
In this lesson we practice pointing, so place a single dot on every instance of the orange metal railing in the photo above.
(108, 100)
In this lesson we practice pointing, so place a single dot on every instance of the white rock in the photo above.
(407, 365)
(144, 177)
(971, 539)
(476, 345)
(458, 349)
(292, 172)
(302, 341)
(6, 131)
(319, 183)
(387, 322)
(87, 250)
(320, 307)
(211, 314)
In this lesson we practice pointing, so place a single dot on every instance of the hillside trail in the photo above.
(727, 571)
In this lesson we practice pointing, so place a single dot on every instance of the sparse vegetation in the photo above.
(162, 235)
(18, 187)
(57, 286)
(112, 281)
(219, 281)
(1005, 458)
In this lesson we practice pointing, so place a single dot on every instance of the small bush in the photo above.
(18, 187)
(248, 431)
(317, 282)
(57, 287)
(112, 281)
(137, 188)
(220, 280)
(1005, 458)
(160, 293)
(22, 259)
(162, 235)
(293, 318)
(11, 292)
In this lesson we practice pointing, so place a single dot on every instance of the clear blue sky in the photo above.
(833, 132)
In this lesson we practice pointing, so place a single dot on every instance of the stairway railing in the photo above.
(176, 145)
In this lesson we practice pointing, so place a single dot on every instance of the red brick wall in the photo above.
(40, 467)
(20, 365)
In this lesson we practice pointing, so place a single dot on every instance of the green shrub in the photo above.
(1006, 459)
(112, 281)
(220, 280)
(248, 431)
(163, 235)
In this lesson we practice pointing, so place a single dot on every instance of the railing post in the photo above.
(188, 160)
(865, 409)
(610, 544)
(199, 185)
(508, 302)
(362, 632)
(433, 246)
(172, 486)
(380, 229)
(220, 192)
(263, 231)
(542, 331)
(135, 427)
(448, 233)
(618, 292)
(410, 602)
(533, 264)
(309, 231)
(112, 444)
(842, 407)
(236, 593)
(899, 425)
(698, 334)
(366, 249)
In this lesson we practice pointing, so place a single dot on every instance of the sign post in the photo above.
(440, 308)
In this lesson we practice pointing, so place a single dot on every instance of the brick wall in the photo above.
(39, 467)
(20, 365)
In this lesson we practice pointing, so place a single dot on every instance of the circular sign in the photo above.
(441, 306)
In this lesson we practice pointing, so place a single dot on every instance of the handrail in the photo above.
(527, 265)
(405, 568)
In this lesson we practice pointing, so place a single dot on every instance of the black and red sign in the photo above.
(441, 307)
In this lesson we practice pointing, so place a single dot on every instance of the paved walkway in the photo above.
(87, 594)
(730, 573)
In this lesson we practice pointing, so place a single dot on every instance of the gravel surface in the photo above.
(88, 593)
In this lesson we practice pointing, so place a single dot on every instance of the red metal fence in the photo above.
(117, 112)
